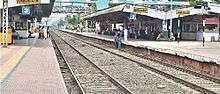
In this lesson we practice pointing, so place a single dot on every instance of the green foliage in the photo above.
(74, 20)
(217, 1)
(211, 27)
(196, 2)
(93, 8)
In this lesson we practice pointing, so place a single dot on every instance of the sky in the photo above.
(55, 17)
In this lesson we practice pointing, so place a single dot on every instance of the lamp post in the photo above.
(203, 27)
(5, 24)
(204, 9)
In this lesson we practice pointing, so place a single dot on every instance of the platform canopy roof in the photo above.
(12, 3)
(214, 8)
(45, 5)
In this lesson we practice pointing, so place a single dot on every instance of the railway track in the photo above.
(197, 83)
(90, 78)
(71, 82)
(144, 53)
(131, 75)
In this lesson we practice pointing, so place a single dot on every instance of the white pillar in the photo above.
(171, 21)
(125, 34)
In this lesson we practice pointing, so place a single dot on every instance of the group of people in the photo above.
(132, 33)
(42, 30)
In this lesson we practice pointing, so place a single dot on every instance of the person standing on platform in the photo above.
(146, 33)
(48, 35)
(129, 32)
(115, 39)
(125, 34)
(14, 34)
(41, 32)
(119, 40)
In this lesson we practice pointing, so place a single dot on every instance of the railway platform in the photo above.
(190, 49)
(30, 67)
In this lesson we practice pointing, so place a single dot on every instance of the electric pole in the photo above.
(5, 24)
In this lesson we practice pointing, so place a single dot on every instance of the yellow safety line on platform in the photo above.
(8, 66)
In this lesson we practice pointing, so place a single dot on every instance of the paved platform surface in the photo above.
(37, 71)
(191, 49)
(11, 55)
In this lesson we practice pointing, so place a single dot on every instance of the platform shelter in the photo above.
(148, 23)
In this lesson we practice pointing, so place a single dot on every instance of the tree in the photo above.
(196, 2)
(74, 20)
(92, 7)
(217, 1)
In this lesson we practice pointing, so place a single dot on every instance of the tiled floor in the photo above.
(37, 73)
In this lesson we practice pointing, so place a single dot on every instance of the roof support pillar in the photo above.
(5, 24)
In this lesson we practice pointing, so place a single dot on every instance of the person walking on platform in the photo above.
(41, 35)
(45, 32)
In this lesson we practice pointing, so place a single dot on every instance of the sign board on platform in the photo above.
(212, 21)
(140, 9)
(26, 10)
(28, 1)
(132, 16)
(182, 12)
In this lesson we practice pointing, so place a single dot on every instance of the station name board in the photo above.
(140, 9)
(182, 12)
(28, 1)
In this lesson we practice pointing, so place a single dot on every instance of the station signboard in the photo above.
(182, 12)
(132, 16)
(140, 9)
(28, 1)
(26, 10)
(212, 21)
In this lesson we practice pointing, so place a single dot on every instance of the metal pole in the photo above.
(2, 29)
(171, 21)
(5, 24)
(86, 22)
(203, 27)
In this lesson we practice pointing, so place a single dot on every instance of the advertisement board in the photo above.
(140, 9)
(182, 12)
(212, 21)
(28, 1)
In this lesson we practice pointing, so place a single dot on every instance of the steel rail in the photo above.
(178, 80)
(114, 81)
(73, 74)
(173, 66)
